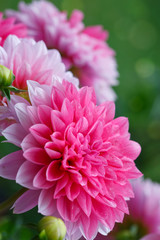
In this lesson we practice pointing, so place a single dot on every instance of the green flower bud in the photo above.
(51, 228)
(6, 77)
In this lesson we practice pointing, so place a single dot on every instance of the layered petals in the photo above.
(84, 49)
(75, 157)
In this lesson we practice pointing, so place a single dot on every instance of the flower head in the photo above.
(145, 207)
(75, 158)
(30, 60)
(144, 212)
(84, 50)
(8, 27)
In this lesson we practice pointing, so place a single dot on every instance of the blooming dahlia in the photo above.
(75, 158)
(84, 50)
(8, 26)
(30, 60)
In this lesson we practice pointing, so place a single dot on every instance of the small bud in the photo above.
(6, 77)
(52, 228)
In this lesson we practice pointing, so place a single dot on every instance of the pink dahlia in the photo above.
(84, 50)
(8, 26)
(144, 212)
(152, 237)
(30, 60)
(145, 208)
(75, 158)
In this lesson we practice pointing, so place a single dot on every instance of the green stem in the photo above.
(4, 206)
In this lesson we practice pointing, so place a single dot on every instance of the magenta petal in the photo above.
(87, 95)
(26, 202)
(57, 123)
(10, 164)
(131, 149)
(14, 134)
(37, 155)
(72, 190)
(85, 202)
(53, 171)
(41, 133)
(29, 142)
(51, 151)
(60, 186)
(46, 203)
(67, 111)
(40, 180)
(57, 98)
(67, 209)
(26, 174)
(44, 113)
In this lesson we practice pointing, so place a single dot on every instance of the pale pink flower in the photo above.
(144, 211)
(75, 159)
(30, 60)
(145, 207)
(151, 237)
(84, 50)
(8, 26)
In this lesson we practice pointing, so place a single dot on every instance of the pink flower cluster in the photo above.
(8, 26)
(84, 50)
(75, 159)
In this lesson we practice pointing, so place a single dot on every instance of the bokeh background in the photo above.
(134, 34)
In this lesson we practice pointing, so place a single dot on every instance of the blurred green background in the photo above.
(134, 34)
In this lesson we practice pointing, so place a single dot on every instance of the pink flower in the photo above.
(144, 211)
(8, 27)
(30, 60)
(84, 50)
(145, 207)
(151, 237)
(75, 159)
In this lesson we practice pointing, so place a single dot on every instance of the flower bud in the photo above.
(6, 76)
(52, 228)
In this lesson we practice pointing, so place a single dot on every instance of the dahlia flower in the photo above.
(152, 237)
(75, 159)
(145, 207)
(144, 211)
(8, 27)
(84, 50)
(30, 60)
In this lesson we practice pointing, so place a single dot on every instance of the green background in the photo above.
(134, 34)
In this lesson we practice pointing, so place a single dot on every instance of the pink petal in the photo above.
(14, 134)
(57, 123)
(46, 203)
(41, 133)
(40, 180)
(37, 156)
(87, 95)
(22, 113)
(53, 171)
(67, 111)
(85, 203)
(26, 202)
(131, 149)
(29, 142)
(44, 113)
(26, 174)
(68, 210)
(10, 164)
